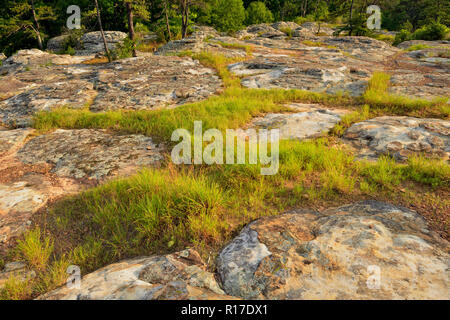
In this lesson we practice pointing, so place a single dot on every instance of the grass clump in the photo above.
(361, 114)
(310, 43)
(378, 97)
(383, 37)
(287, 31)
(34, 250)
(153, 211)
(15, 289)
(248, 49)
(418, 47)
(38, 251)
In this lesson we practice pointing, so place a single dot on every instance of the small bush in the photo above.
(302, 20)
(70, 51)
(123, 50)
(257, 12)
(287, 31)
(72, 41)
(430, 32)
(402, 36)
(228, 15)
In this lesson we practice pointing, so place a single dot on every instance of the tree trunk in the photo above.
(351, 18)
(131, 26)
(167, 20)
(101, 31)
(36, 24)
(184, 17)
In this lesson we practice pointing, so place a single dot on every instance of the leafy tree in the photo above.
(228, 15)
(320, 13)
(134, 7)
(26, 16)
(97, 8)
(257, 12)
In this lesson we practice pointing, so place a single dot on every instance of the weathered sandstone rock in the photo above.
(29, 58)
(56, 44)
(36, 169)
(337, 254)
(177, 276)
(308, 121)
(310, 29)
(283, 25)
(400, 137)
(407, 44)
(342, 64)
(151, 82)
(91, 154)
(291, 72)
(35, 82)
(92, 42)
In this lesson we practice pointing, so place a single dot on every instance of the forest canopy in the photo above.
(30, 23)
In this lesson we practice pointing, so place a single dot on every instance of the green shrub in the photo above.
(72, 41)
(70, 51)
(228, 15)
(123, 50)
(355, 27)
(432, 31)
(257, 12)
(403, 35)
(302, 20)
(141, 28)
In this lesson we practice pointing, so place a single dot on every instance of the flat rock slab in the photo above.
(32, 82)
(92, 42)
(178, 276)
(10, 139)
(343, 64)
(151, 82)
(90, 154)
(318, 69)
(35, 169)
(367, 250)
(311, 121)
(437, 44)
(400, 137)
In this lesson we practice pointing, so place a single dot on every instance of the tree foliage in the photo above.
(257, 12)
(228, 15)
(173, 19)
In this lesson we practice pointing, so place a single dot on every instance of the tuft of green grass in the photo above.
(433, 172)
(361, 114)
(15, 289)
(248, 49)
(386, 173)
(418, 47)
(310, 43)
(287, 31)
(384, 37)
(34, 250)
(151, 211)
(378, 97)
